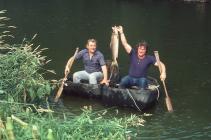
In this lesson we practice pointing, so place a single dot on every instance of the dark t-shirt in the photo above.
(138, 67)
(94, 64)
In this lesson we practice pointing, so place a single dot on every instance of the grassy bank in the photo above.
(87, 126)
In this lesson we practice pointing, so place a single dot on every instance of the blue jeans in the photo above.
(93, 78)
(128, 81)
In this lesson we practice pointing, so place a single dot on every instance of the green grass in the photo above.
(88, 125)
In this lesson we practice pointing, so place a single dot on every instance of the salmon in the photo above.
(114, 45)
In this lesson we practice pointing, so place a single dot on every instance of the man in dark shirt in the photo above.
(139, 63)
(94, 64)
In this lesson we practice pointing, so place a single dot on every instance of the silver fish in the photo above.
(114, 45)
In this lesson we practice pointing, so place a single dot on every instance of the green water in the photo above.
(179, 31)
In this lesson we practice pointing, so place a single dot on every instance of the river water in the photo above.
(180, 31)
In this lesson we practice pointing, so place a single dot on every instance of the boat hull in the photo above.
(113, 96)
(138, 99)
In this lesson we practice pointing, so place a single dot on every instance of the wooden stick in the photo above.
(167, 99)
(19, 121)
(68, 65)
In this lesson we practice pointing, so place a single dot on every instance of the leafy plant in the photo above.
(88, 125)
(21, 69)
(20, 77)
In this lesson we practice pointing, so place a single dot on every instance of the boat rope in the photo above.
(133, 100)
(158, 92)
(111, 75)
(152, 87)
(113, 70)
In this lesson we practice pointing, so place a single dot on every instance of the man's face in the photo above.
(141, 51)
(91, 47)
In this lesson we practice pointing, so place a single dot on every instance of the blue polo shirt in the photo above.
(138, 67)
(94, 64)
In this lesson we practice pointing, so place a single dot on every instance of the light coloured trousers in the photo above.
(93, 78)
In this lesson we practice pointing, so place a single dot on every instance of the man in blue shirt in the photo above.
(139, 63)
(94, 64)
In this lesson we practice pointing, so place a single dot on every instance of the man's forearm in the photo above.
(104, 69)
(163, 68)
(124, 42)
(123, 39)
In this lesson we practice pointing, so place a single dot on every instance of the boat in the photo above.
(112, 95)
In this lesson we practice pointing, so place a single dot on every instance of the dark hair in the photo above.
(91, 40)
(142, 43)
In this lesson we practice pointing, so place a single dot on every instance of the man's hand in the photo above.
(114, 30)
(66, 71)
(120, 29)
(104, 81)
(163, 76)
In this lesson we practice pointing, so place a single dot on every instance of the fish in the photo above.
(114, 45)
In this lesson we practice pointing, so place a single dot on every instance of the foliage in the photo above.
(87, 126)
(21, 72)
(20, 79)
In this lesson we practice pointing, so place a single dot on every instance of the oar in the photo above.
(168, 100)
(68, 65)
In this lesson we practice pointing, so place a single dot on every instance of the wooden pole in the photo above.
(167, 99)
(68, 65)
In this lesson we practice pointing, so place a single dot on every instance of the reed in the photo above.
(86, 126)
(19, 82)
(9, 128)
(21, 67)
(35, 133)
(50, 135)
(18, 120)
(2, 128)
